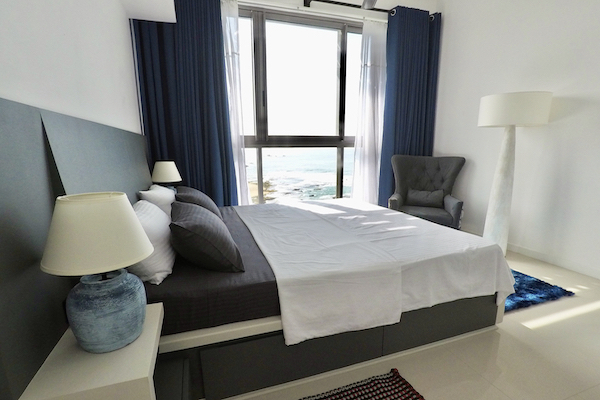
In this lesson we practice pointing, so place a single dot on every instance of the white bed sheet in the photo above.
(343, 265)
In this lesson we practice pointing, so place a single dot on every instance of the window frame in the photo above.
(262, 139)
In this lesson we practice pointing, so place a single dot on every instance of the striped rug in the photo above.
(387, 386)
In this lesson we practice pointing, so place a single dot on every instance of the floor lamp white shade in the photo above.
(508, 110)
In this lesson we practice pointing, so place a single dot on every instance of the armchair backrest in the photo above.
(425, 173)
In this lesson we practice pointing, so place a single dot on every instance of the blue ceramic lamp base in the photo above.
(106, 315)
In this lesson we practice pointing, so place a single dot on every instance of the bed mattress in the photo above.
(343, 265)
(438, 265)
(195, 298)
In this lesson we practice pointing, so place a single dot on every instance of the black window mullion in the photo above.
(259, 175)
(339, 189)
(260, 93)
(343, 57)
(260, 74)
(299, 141)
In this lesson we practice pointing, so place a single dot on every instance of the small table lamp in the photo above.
(97, 235)
(508, 110)
(165, 172)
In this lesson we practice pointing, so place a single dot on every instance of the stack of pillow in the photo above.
(187, 222)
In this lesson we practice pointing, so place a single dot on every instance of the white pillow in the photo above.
(159, 264)
(159, 195)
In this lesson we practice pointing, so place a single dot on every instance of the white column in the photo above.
(498, 213)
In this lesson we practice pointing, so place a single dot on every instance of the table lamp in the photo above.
(97, 235)
(508, 110)
(165, 172)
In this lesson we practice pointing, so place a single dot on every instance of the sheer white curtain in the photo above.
(367, 152)
(229, 15)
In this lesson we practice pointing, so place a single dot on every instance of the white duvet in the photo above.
(343, 265)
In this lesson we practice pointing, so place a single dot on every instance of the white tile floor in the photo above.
(546, 352)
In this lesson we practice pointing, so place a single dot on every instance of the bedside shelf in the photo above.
(70, 372)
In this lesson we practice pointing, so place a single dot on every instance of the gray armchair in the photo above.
(424, 187)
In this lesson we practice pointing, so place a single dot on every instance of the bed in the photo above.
(229, 325)
(367, 261)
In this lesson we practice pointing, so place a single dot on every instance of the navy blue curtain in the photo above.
(413, 46)
(183, 93)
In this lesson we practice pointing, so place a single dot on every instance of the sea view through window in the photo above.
(298, 173)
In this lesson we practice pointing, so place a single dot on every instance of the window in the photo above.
(300, 80)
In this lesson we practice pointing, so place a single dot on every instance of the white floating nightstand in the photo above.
(70, 372)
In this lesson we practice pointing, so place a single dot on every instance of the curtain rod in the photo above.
(347, 16)
(339, 3)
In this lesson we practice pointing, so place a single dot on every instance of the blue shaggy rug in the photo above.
(530, 291)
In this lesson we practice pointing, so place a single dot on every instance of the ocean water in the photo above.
(299, 173)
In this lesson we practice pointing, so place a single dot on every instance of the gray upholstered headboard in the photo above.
(43, 155)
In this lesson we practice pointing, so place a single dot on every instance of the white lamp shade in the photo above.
(518, 109)
(165, 172)
(93, 233)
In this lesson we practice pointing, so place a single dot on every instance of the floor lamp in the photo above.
(508, 110)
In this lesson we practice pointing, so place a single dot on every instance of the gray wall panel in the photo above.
(94, 158)
(31, 310)
(85, 157)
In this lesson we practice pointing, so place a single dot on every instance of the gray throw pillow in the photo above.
(190, 195)
(202, 238)
(425, 198)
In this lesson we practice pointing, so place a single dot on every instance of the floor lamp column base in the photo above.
(498, 213)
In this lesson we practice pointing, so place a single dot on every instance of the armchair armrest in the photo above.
(395, 201)
(454, 207)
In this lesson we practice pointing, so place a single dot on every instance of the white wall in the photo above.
(491, 46)
(70, 56)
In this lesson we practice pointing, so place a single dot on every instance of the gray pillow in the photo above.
(425, 198)
(190, 195)
(202, 238)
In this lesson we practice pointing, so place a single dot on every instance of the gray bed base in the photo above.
(233, 367)
(62, 154)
